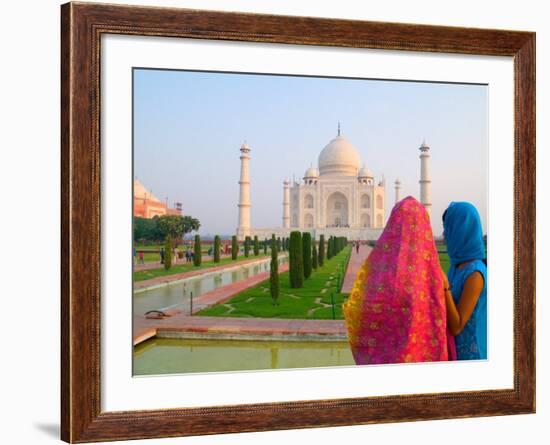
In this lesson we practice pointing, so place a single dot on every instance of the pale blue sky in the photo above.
(189, 126)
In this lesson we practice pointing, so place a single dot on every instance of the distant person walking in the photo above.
(141, 257)
(162, 255)
(357, 247)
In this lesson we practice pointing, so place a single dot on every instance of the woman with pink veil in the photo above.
(396, 311)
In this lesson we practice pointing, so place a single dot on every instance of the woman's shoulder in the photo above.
(475, 266)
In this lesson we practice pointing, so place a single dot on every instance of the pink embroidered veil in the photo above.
(396, 311)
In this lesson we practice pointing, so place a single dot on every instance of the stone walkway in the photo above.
(183, 326)
(138, 285)
(355, 262)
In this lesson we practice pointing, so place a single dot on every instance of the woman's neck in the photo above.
(461, 265)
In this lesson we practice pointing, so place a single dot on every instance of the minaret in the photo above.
(397, 190)
(244, 194)
(286, 204)
(425, 178)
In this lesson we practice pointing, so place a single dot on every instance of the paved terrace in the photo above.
(184, 326)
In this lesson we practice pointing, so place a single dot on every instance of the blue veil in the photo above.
(463, 233)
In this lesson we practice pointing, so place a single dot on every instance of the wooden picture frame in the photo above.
(82, 26)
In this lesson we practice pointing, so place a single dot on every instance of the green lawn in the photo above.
(444, 261)
(313, 301)
(151, 252)
(304, 303)
(150, 256)
(186, 267)
(444, 258)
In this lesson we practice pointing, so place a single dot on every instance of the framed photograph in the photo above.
(274, 222)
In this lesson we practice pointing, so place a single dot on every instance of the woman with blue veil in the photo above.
(466, 286)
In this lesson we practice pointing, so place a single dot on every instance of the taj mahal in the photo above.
(338, 198)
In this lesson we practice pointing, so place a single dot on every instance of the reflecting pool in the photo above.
(178, 293)
(175, 356)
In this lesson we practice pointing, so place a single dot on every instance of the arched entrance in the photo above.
(337, 210)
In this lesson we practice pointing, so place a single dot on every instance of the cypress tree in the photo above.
(247, 246)
(234, 247)
(321, 250)
(314, 257)
(217, 242)
(330, 248)
(265, 246)
(296, 263)
(279, 243)
(167, 253)
(256, 246)
(306, 254)
(197, 254)
(274, 271)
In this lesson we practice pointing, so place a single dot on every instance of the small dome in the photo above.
(339, 157)
(311, 172)
(365, 173)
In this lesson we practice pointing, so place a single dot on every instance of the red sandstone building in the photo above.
(147, 205)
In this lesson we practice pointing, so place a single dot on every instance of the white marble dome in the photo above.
(311, 172)
(365, 173)
(339, 157)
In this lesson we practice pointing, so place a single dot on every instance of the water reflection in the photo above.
(171, 356)
(179, 292)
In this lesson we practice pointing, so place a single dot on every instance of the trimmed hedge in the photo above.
(274, 271)
(321, 250)
(167, 253)
(197, 254)
(256, 246)
(306, 254)
(296, 262)
(217, 243)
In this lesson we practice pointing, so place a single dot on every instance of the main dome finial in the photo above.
(338, 128)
